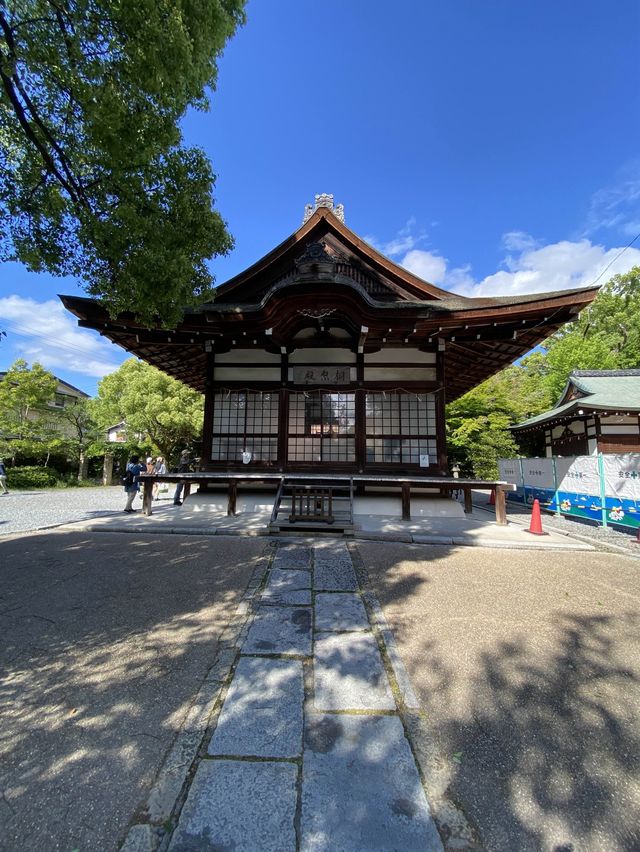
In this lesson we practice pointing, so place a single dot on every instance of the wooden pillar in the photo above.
(468, 506)
(406, 501)
(233, 496)
(441, 435)
(283, 411)
(501, 506)
(147, 496)
(283, 428)
(598, 433)
(187, 490)
(361, 415)
(207, 425)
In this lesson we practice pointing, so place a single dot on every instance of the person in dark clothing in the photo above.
(3, 478)
(135, 468)
(183, 467)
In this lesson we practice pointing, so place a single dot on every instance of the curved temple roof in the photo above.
(599, 391)
(327, 281)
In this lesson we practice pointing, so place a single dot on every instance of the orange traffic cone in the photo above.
(492, 498)
(535, 527)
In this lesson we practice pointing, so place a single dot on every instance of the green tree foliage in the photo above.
(27, 425)
(151, 404)
(478, 422)
(82, 436)
(94, 179)
(605, 337)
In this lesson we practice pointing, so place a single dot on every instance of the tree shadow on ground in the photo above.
(539, 721)
(550, 745)
(104, 643)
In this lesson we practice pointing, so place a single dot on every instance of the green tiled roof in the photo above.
(605, 390)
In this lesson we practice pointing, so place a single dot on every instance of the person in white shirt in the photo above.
(159, 469)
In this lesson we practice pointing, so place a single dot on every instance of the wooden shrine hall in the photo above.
(326, 358)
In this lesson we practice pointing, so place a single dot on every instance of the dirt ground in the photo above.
(104, 642)
(527, 665)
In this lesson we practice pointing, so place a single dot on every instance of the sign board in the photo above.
(621, 475)
(329, 375)
(578, 475)
(424, 460)
(510, 470)
(578, 489)
(538, 473)
(604, 488)
(539, 480)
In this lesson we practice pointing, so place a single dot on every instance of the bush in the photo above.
(32, 477)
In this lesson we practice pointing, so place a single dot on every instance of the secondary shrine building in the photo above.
(325, 356)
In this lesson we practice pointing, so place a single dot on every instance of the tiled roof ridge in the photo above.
(604, 373)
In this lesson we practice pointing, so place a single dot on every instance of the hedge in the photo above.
(32, 477)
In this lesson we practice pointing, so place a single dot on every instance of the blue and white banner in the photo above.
(622, 489)
(511, 471)
(539, 480)
(602, 488)
(578, 487)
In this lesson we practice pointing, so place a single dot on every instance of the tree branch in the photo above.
(13, 86)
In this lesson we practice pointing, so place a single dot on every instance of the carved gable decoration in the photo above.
(323, 262)
(325, 200)
(316, 262)
(326, 249)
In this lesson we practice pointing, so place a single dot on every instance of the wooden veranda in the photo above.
(323, 487)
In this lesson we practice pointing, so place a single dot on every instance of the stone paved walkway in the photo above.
(309, 751)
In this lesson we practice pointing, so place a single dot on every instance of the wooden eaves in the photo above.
(325, 278)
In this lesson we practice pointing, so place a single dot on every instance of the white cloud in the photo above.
(518, 241)
(432, 267)
(426, 265)
(632, 228)
(404, 240)
(557, 266)
(617, 207)
(46, 332)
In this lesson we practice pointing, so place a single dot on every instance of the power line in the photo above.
(25, 331)
(620, 253)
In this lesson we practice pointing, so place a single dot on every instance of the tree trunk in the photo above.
(107, 469)
(83, 467)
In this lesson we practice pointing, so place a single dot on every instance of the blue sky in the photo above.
(491, 147)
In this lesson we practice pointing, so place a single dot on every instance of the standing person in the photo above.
(159, 469)
(3, 478)
(183, 467)
(149, 469)
(131, 482)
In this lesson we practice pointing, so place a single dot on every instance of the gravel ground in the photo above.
(21, 511)
(104, 642)
(527, 669)
(557, 523)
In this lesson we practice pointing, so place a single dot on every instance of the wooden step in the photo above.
(311, 526)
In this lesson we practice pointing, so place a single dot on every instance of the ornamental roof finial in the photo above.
(323, 200)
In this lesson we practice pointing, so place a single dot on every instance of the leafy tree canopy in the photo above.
(80, 435)
(151, 404)
(478, 422)
(605, 337)
(24, 393)
(94, 179)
